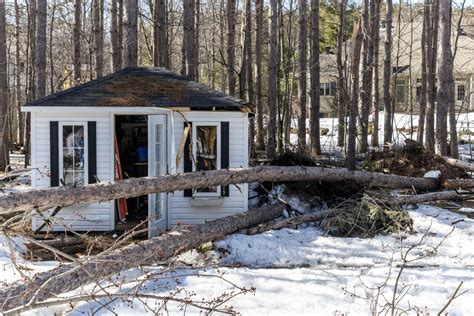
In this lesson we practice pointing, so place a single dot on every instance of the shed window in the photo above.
(400, 91)
(73, 154)
(461, 93)
(206, 150)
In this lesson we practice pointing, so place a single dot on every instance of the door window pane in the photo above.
(73, 155)
(206, 151)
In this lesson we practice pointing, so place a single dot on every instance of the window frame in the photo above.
(218, 155)
(458, 86)
(61, 149)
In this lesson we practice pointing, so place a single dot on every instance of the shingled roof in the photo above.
(154, 87)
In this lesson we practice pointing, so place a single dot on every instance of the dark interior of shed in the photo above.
(131, 161)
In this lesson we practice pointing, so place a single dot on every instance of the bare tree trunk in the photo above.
(341, 87)
(189, 44)
(259, 79)
(231, 14)
(367, 73)
(31, 82)
(131, 33)
(425, 46)
(250, 68)
(375, 77)
(303, 65)
(114, 35)
(18, 98)
(446, 97)
(41, 199)
(71, 276)
(120, 33)
(197, 22)
(432, 61)
(387, 74)
(40, 38)
(353, 111)
(76, 40)
(314, 133)
(160, 32)
(51, 46)
(4, 146)
(98, 31)
(272, 80)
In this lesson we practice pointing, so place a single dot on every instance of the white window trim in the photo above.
(61, 149)
(218, 162)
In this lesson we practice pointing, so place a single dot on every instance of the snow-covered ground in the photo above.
(307, 273)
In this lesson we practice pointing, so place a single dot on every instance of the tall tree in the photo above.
(76, 40)
(4, 157)
(367, 73)
(131, 33)
(249, 66)
(272, 80)
(341, 87)
(40, 38)
(231, 16)
(98, 31)
(259, 78)
(314, 133)
(160, 35)
(189, 45)
(114, 34)
(375, 77)
(353, 110)
(387, 74)
(120, 33)
(18, 62)
(432, 62)
(446, 98)
(303, 64)
(425, 53)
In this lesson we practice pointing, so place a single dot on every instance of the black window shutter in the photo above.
(225, 153)
(187, 159)
(54, 152)
(92, 151)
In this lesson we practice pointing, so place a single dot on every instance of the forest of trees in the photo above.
(264, 52)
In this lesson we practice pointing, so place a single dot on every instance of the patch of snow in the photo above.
(432, 174)
(466, 210)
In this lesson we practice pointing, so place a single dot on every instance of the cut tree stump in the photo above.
(68, 277)
(65, 196)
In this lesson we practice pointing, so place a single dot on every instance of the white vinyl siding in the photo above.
(181, 209)
(94, 216)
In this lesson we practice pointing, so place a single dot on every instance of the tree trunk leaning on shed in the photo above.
(68, 277)
(106, 191)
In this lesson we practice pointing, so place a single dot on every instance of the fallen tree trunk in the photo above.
(71, 276)
(458, 163)
(290, 222)
(427, 197)
(100, 192)
(459, 184)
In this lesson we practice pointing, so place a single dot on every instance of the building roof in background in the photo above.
(142, 87)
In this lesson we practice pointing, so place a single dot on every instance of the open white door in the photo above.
(157, 162)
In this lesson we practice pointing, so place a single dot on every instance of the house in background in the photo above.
(406, 67)
(133, 123)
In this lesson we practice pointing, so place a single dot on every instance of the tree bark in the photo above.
(314, 133)
(76, 39)
(272, 81)
(131, 33)
(259, 65)
(40, 44)
(302, 77)
(98, 31)
(387, 75)
(120, 33)
(4, 146)
(71, 276)
(459, 163)
(376, 74)
(65, 196)
(18, 95)
(160, 32)
(114, 34)
(433, 56)
(231, 15)
(189, 44)
(341, 87)
(426, 197)
(353, 111)
(424, 72)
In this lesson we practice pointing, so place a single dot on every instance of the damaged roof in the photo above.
(133, 87)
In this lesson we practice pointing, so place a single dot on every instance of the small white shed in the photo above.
(133, 123)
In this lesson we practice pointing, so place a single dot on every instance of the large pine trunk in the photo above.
(424, 72)
(98, 31)
(314, 133)
(131, 33)
(387, 75)
(4, 152)
(259, 67)
(302, 77)
(353, 110)
(71, 276)
(432, 62)
(114, 41)
(40, 44)
(341, 87)
(272, 81)
(189, 44)
(375, 77)
(231, 15)
(76, 41)
(160, 34)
